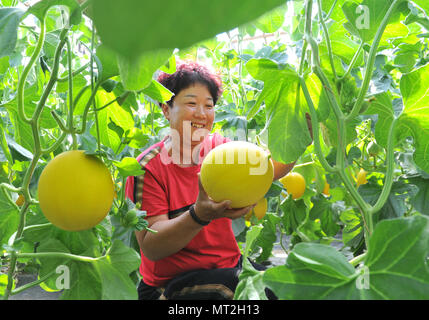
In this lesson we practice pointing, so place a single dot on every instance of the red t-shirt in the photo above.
(166, 188)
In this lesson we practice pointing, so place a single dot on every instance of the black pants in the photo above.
(201, 284)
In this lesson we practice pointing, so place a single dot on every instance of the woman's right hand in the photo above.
(206, 209)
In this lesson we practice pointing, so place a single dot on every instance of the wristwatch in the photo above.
(195, 217)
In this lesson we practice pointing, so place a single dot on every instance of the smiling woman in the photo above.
(191, 116)
(194, 241)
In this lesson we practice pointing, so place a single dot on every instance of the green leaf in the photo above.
(38, 233)
(407, 55)
(137, 74)
(48, 265)
(397, 259)
(9, 217)
(9, 22)
(294, 214)
(23, 134)
(421, 200)
(342, 45)
(414, 120)
(271, 21)
(85, 282)
(250, 284)
(352, 232)
(318, 96)
(106, 277)
(395, 205)
(41, 8)
(113, 113)
(109, 62)
(251, 236)
(131, 27)
(250, 287)
(158, 92)
(395, 267)
(311, 272)
(322, 210)
(78, 82)
(364, 20)
(128, 167)
(382, 105)
(114, 270)
(267, 236)
(285, 114)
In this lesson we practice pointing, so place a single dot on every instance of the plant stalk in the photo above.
(341, 124)
(23, 78)
(389, 172)
(353, 61)
(315, 126)
(58, 255)
(371, 60)
(34, 122)
(327, 38)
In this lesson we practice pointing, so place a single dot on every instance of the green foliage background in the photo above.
(90, 85)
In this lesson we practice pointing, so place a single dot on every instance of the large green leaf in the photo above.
(318, 96)
(364, 19)
(9, 22)
(158, 92)
(284, 109)
(397, 259)
(342, 45)
(137, 74)
(312, 271)
(271, 21)
(108, 62)
(114, 270)
(131, 27)
(414, 120)
(105, 277)
(41, 8)
(395, 267)
(114, 113)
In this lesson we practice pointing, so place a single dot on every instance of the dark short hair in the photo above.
(189, 73)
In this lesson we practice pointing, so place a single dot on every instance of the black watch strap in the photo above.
(195, 217)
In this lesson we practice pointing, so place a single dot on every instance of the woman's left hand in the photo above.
(207, 209)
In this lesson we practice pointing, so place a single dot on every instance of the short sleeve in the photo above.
(147, 190)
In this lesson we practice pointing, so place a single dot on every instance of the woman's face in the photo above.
(191, 116)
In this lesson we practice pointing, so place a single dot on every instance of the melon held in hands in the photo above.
(239, 171)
